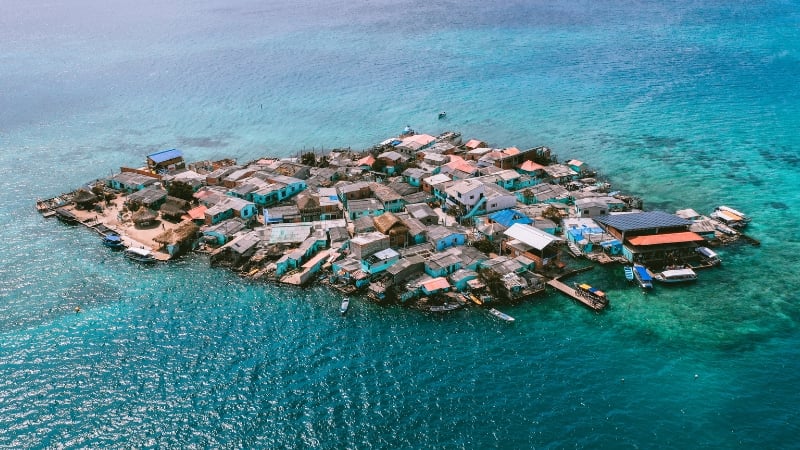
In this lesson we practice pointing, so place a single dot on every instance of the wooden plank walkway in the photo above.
(570, 292)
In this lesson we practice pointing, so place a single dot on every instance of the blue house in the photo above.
(435, 286)
(414, 176)
(222, 232)
(130, 182)
(380, 261)
(442, 264)
(444, 237)
(461, 277)
(364, 207)
(230, 207)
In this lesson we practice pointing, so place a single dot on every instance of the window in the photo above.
(472, 197)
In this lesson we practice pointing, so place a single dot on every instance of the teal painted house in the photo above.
(130, 182)
(444, 237)
(230, 207)
(442, 264)
(414, 176)
(222, 232)
(380, 261)
(461, 277)
(435, 286)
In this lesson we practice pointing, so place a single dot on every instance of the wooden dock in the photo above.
(570, 292)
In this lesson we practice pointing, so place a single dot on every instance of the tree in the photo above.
(181, 190)
(484, 245)
(552, 213)
(378, 165)
(308, 159)
(528, 196)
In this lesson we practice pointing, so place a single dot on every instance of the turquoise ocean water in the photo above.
(686, 103)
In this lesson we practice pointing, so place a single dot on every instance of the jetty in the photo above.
(573, 294)
(424, 221)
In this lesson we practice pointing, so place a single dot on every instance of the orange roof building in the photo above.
(666, 238)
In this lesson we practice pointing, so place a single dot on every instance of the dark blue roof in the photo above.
(165, 155)
(642, 220)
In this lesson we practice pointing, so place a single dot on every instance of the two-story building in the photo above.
(230, 207)
(534, 244)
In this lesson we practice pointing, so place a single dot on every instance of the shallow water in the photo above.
(685, 105)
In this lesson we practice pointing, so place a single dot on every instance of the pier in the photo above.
(571, 292)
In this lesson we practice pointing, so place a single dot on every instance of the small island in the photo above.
(427, 221)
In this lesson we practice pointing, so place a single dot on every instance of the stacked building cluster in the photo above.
(415, 219)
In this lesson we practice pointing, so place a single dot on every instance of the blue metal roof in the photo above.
(165, 155)
(508, 217)
(642, 220)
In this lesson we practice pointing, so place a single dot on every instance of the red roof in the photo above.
(368, 160)
(473, 144)
(530, 166)
(667, 238)
(197, 213)
(436, 284)
(511, 151)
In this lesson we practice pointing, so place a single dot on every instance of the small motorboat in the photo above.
(628, 273)
(113, 241)
(643, 276)
(140, 254)
(501, 315)
(676, 276)
(344, 306)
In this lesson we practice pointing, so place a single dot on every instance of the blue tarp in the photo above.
(165, 155)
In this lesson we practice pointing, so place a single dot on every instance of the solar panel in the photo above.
(642, 221)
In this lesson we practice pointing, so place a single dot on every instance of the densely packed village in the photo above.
(418, 219)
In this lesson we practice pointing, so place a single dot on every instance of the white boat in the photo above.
(139, 254)
(709, 256)
(728, 209)
(676, 276)
(345, 304)
(501, 315)
(730, 217)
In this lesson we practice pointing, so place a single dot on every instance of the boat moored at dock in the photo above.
(597, 296)
(643, 277)
(140, 254)
(628, 273)
(709, 256)
(676, 276)
(113, 241)
(730, 217)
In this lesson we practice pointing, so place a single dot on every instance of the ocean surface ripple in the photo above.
(687, 104)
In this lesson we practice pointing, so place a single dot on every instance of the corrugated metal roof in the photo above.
(436, 284)
(165, 155)
(642, 220)
(667, 238)
(531, 236)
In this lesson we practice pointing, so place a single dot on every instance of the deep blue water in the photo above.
(688, 104)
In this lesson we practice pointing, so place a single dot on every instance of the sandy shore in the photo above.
(113, 218)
